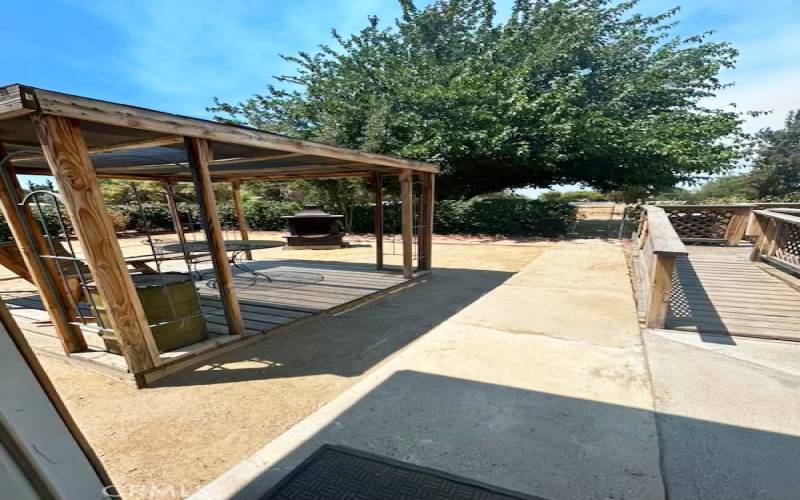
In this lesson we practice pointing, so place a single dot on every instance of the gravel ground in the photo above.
(175, 437)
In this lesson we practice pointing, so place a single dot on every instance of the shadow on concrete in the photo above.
(350, 343)
(541, 444)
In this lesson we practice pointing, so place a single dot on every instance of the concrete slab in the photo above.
(565, 413)
(602, 317)
(775, 354)
(588, 267)
(727, 417)
(553, 419)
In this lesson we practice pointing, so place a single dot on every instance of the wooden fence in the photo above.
(657, 245)
(779, 238)
(727, 224)
(710, 223)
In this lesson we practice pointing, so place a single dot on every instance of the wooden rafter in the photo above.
(13, 103)
(166, 140)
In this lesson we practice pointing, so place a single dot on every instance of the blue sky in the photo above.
(176, 55)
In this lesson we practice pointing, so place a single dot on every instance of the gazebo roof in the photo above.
(137, 143)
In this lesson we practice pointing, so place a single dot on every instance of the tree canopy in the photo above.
(776, 170)
(725, 189)
(561, 92)
(775, 175)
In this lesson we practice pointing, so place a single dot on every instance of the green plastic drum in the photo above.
(173, 326)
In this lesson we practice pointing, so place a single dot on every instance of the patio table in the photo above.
(237, 248)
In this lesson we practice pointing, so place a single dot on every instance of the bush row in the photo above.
(512, 217)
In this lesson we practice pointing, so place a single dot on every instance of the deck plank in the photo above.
(300, 289)
(718, 290)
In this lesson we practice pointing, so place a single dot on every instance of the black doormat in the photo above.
(338, 472)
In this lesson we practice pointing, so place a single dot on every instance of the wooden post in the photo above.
(737, 226)
(197, 150)
(425, 231)
(377, 182)
(169, 190)
(239, 209)
(776, 229)
(407, 216)
(65, 150)
(643, 230)
(29, 239)
(660, 288)
(765, 228)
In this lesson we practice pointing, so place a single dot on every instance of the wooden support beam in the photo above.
(169, 190)
(766, 228)
(407, 222)
(377, 183)
(737, 226)
(198, 152)
(256, 159)
(778, 228)
(17, 100)
(425, 230)
(660, 288)
(66, 153)
(25, 230)
(236, 191)
(155, 142)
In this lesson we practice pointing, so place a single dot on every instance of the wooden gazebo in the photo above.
(79, 140)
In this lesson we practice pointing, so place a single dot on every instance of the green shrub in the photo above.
(510, 217)
(262, 215)
(47, 214)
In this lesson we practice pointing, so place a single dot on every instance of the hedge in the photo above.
(511, 217)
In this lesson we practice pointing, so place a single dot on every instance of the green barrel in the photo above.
(176, 325)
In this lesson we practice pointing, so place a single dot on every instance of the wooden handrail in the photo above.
(778, 243)
(657, 246)
(660, 231)
(784, 214)
(729, 205)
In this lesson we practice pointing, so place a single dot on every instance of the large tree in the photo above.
(563, 91)
(776, 170)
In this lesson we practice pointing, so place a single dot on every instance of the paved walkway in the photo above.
(540, 386)
(727, 414)
(545, 385)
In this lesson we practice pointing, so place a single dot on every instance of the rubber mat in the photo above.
(338, 472)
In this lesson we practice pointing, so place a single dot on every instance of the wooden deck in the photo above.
(718, 290)
(300, 289)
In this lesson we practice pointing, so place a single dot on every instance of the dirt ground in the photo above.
(193, 426)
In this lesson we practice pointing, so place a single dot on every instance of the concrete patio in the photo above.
(545, 386)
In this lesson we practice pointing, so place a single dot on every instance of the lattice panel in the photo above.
(711, 223)
(679, 305)
(788, 248)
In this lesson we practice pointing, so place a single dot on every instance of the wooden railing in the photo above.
(779, 238)
(710, 223)
(657, 245)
